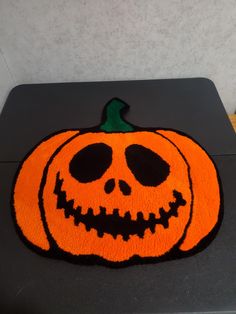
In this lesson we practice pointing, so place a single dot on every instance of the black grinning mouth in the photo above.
(113, 223)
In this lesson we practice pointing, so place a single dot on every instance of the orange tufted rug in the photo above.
(117, 194)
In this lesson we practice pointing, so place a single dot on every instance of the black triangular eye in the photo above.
(91, 162)
(147, 167)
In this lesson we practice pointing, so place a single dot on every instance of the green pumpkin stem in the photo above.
(112, 117)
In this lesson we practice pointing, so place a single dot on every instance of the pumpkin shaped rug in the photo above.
(117, 194)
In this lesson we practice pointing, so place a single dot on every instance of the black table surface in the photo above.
(38, 285)
(32, 284)
(32, 112)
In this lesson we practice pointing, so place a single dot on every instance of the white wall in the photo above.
(75, 40)
(6, 80)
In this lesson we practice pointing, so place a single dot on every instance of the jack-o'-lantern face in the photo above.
(108, 192)
(116, 195)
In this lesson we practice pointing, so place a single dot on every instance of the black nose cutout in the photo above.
(148, 168)
(91, 162)
(124, 187)
(109, 186)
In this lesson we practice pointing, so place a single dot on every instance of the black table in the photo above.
(34, 284)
